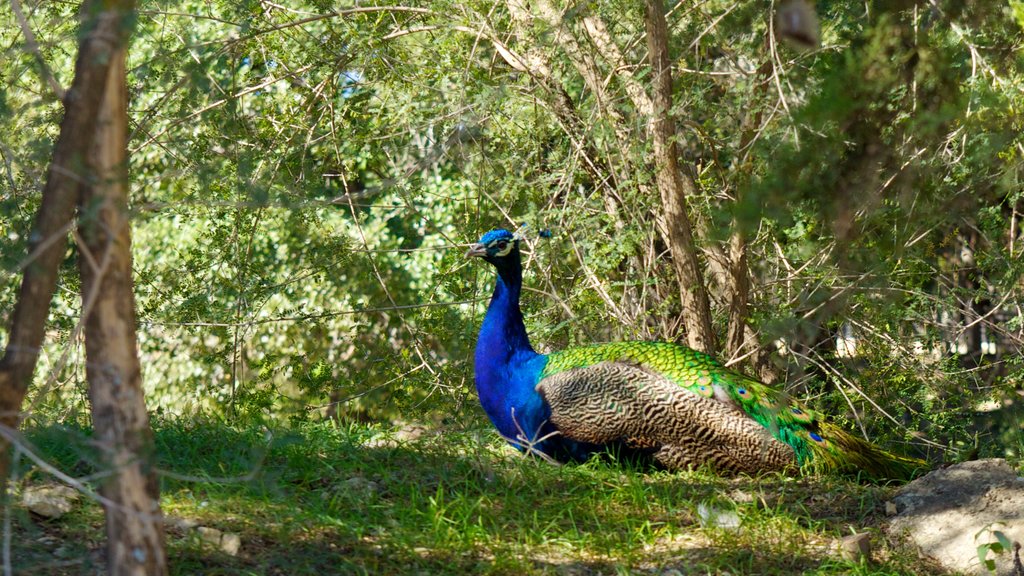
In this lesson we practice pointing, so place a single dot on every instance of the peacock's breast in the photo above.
(507, 390)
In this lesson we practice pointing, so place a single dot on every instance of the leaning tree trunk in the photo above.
(675, 188)
(122, 434)
(48, 240)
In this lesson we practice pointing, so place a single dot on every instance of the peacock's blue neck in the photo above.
(503, 334)
(508, 370)
(507, 367)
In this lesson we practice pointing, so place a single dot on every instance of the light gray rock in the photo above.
(50, 500)
(230, 543)
(890, 509)
(209, 535)
(855, 547)
(361, 486)
(183, 523)
(713, 516)
(950, 512)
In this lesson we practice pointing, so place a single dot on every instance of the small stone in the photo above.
(209, 535)
(855, 547)
(49, 501)
(410, 432)
(741, 497)
(230, 543)
(890, 509)
(183, 523)
(712, 516)
(361, 485)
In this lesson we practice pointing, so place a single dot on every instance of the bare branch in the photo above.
(33, 47)
(609, 50)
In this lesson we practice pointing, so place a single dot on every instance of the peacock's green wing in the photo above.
(695, 371)
(818, 446)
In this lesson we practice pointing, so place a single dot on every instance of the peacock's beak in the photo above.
(476, 250)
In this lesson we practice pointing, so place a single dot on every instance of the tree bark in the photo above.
(48, 240)
(675, 188)
(740, 335)
(122, 433)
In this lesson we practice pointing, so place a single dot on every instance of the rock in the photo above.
(50, 500)
(230, 543)
(855, 547)
(401, 433)
(890, 509)
(61, 552)
(360, 485)
(950, 512)
(712, 516)
(410, 431)
(741, 497)
(182, 523)
(209, 535)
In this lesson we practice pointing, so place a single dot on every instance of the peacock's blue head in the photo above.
(499, 247)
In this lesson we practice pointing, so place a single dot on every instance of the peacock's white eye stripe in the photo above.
(502, 251)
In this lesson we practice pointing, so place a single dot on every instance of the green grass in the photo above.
(452, 502)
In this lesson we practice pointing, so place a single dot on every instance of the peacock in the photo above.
(652, 400)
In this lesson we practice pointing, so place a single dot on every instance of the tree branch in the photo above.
(33, 47)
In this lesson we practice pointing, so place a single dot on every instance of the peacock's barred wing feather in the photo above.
(817, 445)
(612, 402)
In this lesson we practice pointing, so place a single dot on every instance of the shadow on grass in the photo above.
(320, 499)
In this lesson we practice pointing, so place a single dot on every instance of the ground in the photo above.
(328, 499)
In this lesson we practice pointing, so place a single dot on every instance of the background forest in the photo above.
(304, 179)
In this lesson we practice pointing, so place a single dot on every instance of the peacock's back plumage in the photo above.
(815, 444)
(678, 405)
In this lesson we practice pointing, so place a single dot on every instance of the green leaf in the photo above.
(1003, 540)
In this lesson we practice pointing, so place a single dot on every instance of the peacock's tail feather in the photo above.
(840, 451)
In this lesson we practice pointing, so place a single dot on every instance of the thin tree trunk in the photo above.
(122, 433)
(740, 293)
(48, 240)
(675, 188)
(740, 334)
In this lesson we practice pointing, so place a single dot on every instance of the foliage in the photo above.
(302, 185)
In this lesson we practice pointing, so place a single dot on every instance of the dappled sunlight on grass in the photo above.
(327, 499)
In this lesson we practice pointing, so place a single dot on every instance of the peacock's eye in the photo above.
(502, 245)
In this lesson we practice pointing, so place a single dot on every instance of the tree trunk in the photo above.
(742, 340)
(675, 187)
(48, 240)
(122, 433)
